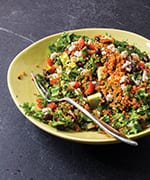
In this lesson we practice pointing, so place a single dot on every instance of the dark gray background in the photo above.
(28, 153)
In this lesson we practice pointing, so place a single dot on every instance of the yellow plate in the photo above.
(33, 59)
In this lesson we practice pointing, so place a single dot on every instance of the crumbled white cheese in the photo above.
(72, 84)
(123, 86)
(89, 41)
(45, 110)
(123, 78)
(103, 53)
(78, 53)
(53, 55)
(108, 97)
(124, 54)
(111, 47)
(127, 63)
(71, 48)
(144, 76)
(128, 69)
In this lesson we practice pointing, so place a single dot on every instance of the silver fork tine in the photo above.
(40, 88)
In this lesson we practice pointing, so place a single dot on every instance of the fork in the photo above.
(104, 126)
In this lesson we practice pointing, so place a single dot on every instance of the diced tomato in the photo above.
(141, 65)
(53, 81)
(81, 43)
(90, 89)
(50, 62)
(52, 105)
(39, 103)
(76, 85)
(91, 46)
(52, 69)
(148, 90)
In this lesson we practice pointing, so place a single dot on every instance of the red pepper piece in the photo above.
(49, 61)
(39, 103)
(52, 69)
(90, 89)
(52, 105)
(76, 85)
(81, 43)
(53, 81)
(91, 46)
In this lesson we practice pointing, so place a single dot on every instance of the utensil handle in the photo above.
(104, 126)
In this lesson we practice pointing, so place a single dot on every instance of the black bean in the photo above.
(45, 72)
(98, 51)
(130, 68)
(80, 64)
(137, 68)
(130, 82)
(48, 116)
(146, 59)
(97, 38)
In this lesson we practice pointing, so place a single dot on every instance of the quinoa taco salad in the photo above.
(108, 77)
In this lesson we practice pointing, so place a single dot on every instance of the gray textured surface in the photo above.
(27, 153)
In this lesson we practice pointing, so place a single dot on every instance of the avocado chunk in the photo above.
(94, 99)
